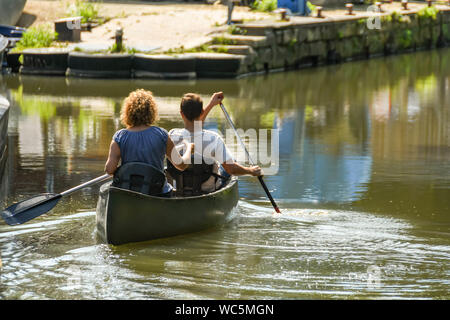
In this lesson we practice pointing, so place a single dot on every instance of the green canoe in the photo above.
(125, 216)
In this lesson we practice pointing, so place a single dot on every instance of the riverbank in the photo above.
(261, 43)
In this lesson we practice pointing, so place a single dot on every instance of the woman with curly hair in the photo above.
(141, 141)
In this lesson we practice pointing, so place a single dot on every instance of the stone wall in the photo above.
(259, 48)
(293, 45)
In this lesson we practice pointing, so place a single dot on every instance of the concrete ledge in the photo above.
(44, 62)
(254, 41)
(216, 65)
(164, 66)
(230, 49)
(99, 65)
(12, 60)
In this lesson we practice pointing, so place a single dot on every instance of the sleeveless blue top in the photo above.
(148, 146)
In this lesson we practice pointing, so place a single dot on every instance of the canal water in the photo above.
(363, 183)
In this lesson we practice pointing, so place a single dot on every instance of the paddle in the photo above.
(26, 210)
(263, 184)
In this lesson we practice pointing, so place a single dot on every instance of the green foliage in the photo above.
(398, 17)
(233, 29)
(34, 105)
(180, 50)
(311, 7)
(132, 50)
(386, 18)
(264, 5)
(427, 13)
(222, 49)
(117, 48)
(223, 40)
(88, 11)
(292, 43)
(406, 38)
(36, 37)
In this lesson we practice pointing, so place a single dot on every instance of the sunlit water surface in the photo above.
(363, 183)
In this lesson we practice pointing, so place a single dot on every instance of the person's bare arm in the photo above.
(180, 162)
(216, 99)
(238, 170)
(113, 158)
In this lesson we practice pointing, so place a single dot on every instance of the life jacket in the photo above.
(140, 177)
(189, 182)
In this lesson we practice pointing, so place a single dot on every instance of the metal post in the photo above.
(119, 38)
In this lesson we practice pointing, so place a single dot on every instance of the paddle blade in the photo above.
(26, 210)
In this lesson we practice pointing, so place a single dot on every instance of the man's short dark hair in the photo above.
(191, 106)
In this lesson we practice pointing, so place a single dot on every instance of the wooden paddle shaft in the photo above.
(263, 184)
(87, 184)
(235, 132)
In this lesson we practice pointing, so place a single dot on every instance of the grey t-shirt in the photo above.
(208, 144)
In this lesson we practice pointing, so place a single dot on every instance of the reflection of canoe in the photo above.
(4, 114)
(125, 216)
(11, 11)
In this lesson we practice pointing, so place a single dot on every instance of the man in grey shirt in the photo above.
(207, 144)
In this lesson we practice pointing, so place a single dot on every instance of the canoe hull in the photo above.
(125, 216)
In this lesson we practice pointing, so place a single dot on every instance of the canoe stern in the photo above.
(125, 216)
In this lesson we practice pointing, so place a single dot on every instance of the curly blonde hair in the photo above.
(139, 108)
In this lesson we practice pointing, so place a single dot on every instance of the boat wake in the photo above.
(255, 209)
(7, 231)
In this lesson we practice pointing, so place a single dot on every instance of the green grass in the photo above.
(222, 49)
(406, 39)
(223, 40)
(236, 30)
(311, 7)
(264, 5)
(112, 49)
(88, 11)
(427, 13)
(115, 48)
(36, 37)
(182, 49)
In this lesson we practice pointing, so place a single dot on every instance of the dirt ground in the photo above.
(146, 25)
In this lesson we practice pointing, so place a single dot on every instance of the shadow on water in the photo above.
(362, 181)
